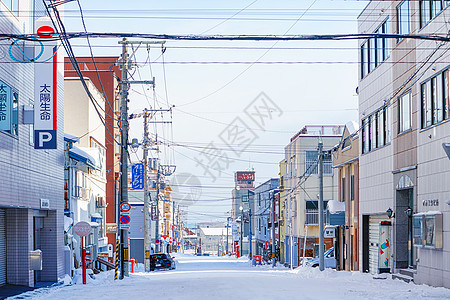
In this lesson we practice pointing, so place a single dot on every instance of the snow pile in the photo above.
(335, 206)
(230, 278)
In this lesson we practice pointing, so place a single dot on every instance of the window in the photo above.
(9, 109)
(12, 5)
(428, 229)
(311, 163)
(435, 100)
(374, 51)
(403, 23)
(312, 212)
(375, 130)
(430, 9)
(311, 160)
(343, 190)
(404, 112)
(244, 198)
(364, 59)
(352, 187)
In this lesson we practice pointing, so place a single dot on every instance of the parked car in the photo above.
(161, 261)
(328, 260)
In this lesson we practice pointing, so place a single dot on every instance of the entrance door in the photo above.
(2, 247)
(38, 225)
(404, 249)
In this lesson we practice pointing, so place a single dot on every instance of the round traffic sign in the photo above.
(82, 228)
(157, 241)
(125, 207)
(125, 219)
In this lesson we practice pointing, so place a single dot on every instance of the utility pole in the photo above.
(157, 245)
(124, 155)
(250, 233)
(124, 65)
(273, 230)
(321, 238)
(147, 231)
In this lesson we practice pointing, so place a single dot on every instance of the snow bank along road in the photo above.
(229, 278)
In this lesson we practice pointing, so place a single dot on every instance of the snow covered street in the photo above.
(230, 278)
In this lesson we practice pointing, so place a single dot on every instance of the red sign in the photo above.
(125, 207)
(267, 244)
(164, 236)
(170, 240)
(257, 257)
(82, 228)
(245, 176)
(125, 219)
(45, 32)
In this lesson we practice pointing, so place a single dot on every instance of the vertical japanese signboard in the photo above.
(5, 107)
(45, 88)
(137, 176)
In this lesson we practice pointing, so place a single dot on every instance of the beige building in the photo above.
(301, 175)
(404, 172)
(346, 161)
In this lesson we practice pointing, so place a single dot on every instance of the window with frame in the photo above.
(435, 100)
(312, 160)
(429, 9)
(404, 112)
(375, 130)
(352, 187)
(403, 20)
(12, 5)
(374, 51)
(9, 109)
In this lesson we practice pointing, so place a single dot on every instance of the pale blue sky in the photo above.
(307, 93)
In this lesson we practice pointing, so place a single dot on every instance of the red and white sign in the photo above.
(245, 176)
(267, 244)
(46, 88)
(170, 240)
(82, 228)
(125, 207)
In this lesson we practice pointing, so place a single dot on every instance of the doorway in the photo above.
(404, 248)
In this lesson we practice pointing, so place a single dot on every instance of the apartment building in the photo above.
(404, 171)
(301, 177)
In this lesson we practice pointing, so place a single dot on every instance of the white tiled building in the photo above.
(404, 112)
(32, 181)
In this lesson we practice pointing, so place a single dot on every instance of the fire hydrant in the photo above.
(132, 261)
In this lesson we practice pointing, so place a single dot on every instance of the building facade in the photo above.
(104, 75)
(301, 179)
(265, 199)
(32, 185)
(86, 191)
(345, 159)
(404, 108)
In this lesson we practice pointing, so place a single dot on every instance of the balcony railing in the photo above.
(312, 216)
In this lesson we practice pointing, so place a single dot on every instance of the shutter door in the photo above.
(2, 247)
(374, 239)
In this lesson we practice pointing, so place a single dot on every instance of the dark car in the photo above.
(161, 261)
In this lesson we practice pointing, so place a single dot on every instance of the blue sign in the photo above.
(125, 219)
(175, 234)
(137, 176)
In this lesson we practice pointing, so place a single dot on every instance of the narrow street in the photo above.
(230, 278)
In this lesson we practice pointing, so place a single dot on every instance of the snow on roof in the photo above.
(215, 231)
(335, 206)
(71, 138)
(352, 127)
(80, 155)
